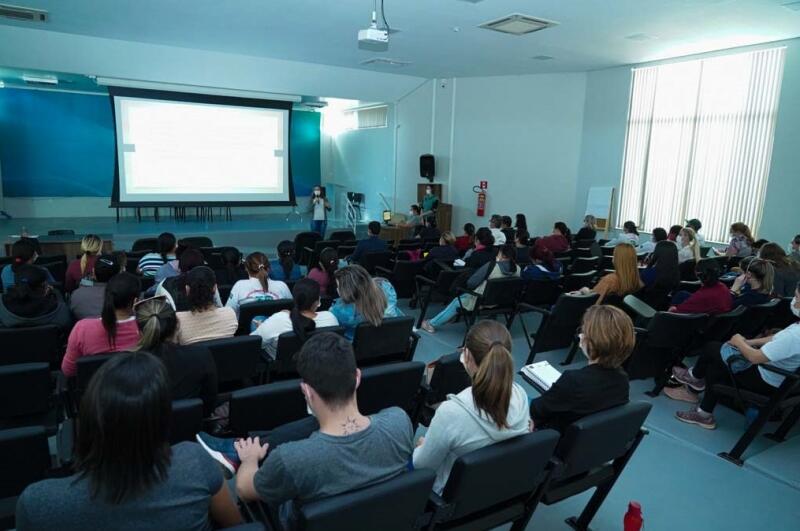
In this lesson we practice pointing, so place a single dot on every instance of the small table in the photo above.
(68, 245)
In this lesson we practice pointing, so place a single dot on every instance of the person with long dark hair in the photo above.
(325, 270)
(87, 301)
(32, 301)
(521, 222)
(661, 276)
(204, 320)
(23, 252)
(232, 268)
(787, 271)
(116, 329)
(127, 477)
(483, 252)
(558, 240)
(151, 262)
(712, 298)
(544, 265)
(259, 287)
(302, 319)
(754, 285)
(629, 235)
(285, 268)
(191, 368)
(466, 241)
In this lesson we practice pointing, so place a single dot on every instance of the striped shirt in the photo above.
(151, 262)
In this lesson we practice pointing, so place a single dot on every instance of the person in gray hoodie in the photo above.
(32, 302)
(492, 409)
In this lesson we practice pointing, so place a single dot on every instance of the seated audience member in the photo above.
(659, 235)
(324, 272)
(629, 235)
(121, 258)
(259, 287)
(172, 268)
(151, 262)
(607, 339)
(413, 221)
(741, 243)
(558, 241)
(674, 233)
(87, 301)
(33, 302)
(191, 369)
(174, 288)
(507, 229)
(544, 266)
(781, 350)
(589, 229)
(623, 281)
(504, 265)
(82, 269)
(232, 268)
(494, 408)
(712, 298)
(754, 286)
(429, 231)
(114, 331)
(362, 299)
(695, 225)
(661, 276)
(495, 222)
(446, 250)
(787, 271)
(521, 243)
(23, 252)
(338, 450)
(372, 244)
(466, 240)
(126, 475)
(302, 319)
(688, 246)
(204, 320)
(794, 247)
(484, 250)
(521, 223)
(284, 267)
(758, 244)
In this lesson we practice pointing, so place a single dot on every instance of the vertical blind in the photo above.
(367, 118)
(699, 141)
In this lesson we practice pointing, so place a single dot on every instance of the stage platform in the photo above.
(248, 233)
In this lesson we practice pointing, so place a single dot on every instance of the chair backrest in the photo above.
(585, 264)
(198, 241)
(56, 265)
(756, 317)
(303, 240)
(85, 369)
(290, 344)
(236, 357)
(342, 236)
(502, 292)
(187, 420)
(265, 407)
(346, 250)
(24, 459)
(24, 390)
(687, 270)
(449, 377)
(493, 476)
(720, 327)
(61, 232)
(252, 309)
(316, 250)
(674, 330)
(601, 437)
(388, 342)
(371, 260)
(403, 277)
(145, 244)
(31, 344)
(576, 281)
(584, 244)
(393, 505)
(581, 252)
(559, 328)
(395, 384)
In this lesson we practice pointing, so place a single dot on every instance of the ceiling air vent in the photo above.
(517, 24)
(26, 14)
(384, 61)
(40, 79)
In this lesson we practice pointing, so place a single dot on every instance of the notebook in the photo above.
(541, 375)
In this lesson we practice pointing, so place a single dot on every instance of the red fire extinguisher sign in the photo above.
(484, 185)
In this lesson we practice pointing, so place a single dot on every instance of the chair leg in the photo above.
(660, 383)
(735, 455)
(424, 309)
(525, 331)
(571, 355)
(791, 419)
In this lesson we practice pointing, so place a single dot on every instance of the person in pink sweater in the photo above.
(114, 331)
(712, 298)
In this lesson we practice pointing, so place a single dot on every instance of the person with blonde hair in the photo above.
(362, 299)
(589, 229)
(446, 250)
(607, 339)
(82, 269)
(259, 286)
(688, 246)
(625, 278)
(494, 408)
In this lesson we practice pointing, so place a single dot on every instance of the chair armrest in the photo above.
(783, 372)
(468, 292)
(308, 249)
(639, 331)
(528, 307)
(425, 280)
(639, 306)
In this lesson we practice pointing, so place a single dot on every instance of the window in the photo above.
(368, 118)
(699, 141)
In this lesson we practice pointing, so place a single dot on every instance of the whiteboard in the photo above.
(598, 204)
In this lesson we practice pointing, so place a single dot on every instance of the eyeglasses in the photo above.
(148, 299)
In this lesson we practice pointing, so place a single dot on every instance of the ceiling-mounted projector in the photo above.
(374, 38)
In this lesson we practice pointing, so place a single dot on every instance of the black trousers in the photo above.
(293, 431)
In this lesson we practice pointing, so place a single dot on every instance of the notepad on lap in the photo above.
(541, 374)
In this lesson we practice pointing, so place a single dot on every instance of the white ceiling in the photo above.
(591, 34)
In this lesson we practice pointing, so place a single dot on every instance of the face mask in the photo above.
(795, 309)
(316, 192)
(410, 212)
(428, 191)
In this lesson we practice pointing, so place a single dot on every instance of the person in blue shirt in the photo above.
(284, 268)
(754, 286)
(544, 266)
(23, 252)
(372, 244)
(362, 299)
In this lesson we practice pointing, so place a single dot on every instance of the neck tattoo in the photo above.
(350, 425)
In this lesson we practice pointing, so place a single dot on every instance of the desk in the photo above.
(68, 245)
(394, 234)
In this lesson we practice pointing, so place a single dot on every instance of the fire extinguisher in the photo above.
(481, 191)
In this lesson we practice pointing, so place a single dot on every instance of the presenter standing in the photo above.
(319, 206)
(429, 205)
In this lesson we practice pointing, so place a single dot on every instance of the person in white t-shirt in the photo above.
(781, 350)
(258, 287)
(302, 319)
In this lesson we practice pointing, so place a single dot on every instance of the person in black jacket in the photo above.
(445, 252)
(589, 229)
(483, 252)
(607, 340)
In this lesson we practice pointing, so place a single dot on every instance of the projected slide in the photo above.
(177, 151)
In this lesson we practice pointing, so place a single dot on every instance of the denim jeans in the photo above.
(319, 225)
(447, 314)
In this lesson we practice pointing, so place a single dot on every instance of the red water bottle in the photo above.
(633, 518)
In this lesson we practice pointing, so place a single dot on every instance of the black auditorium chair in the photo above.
(237, 359)
(585, 264)
(145, 244)
(393, 340)
(558, 325)
(312, 253)
(289, 344)
(257, 308)
(402, 275)
(435, 290)
(197, 241)
(755, 318)
(345, 250)
(84, 370)
(32, 344)
(449, 377)
(543, 293)
(24, 459)
(303, 240)
(132, 260)
(26, 398)
(372, 260)
(594, 452)
(265, 407)
(61, 232)
(187, 420)
(397, 504)
(500, 297)
(56, 265)
(687, 270)
(576, 281)
(496, 485)
(394, 384)
(342, 236)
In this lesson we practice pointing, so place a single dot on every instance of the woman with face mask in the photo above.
(319, 206)
(781, 350)
(429, 204)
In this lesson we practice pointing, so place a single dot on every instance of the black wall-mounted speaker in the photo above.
(427, 166)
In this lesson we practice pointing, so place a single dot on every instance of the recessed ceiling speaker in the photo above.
(427, 166)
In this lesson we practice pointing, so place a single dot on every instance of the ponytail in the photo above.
(306, 295)
(257, 266)
(91, 245)
(286, 258)
(489, 344)
(329, 260)
(121, 292)
(157, 323)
